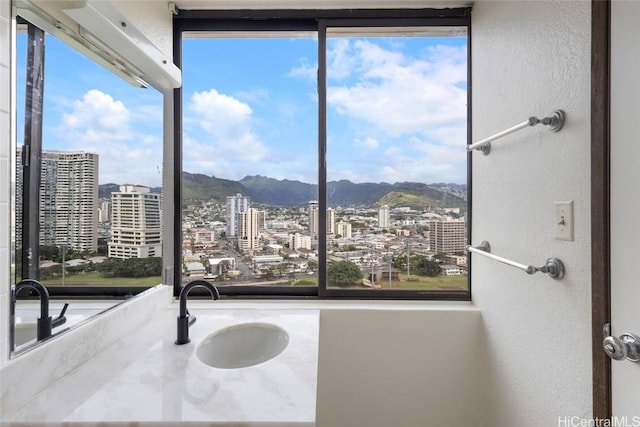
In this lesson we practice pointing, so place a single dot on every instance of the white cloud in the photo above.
(432, 163)
(98, 117)
(415, 105)
(255, 96)
(304, 70)
(400, 95)
(97, 123)
(368, 143)
(202, 157)
(228, 122)
(341, 60)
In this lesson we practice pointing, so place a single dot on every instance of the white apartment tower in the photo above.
(383, 216)
(104, 212)
(299, 241)
(448, 236)
(313, 212)
(344, 229)
(331, 221)
(68, 199)
(249, 230)
(235, 206)
(136, 223)
(262, 220)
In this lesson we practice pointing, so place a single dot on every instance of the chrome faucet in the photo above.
(44, 323)
(185, 319)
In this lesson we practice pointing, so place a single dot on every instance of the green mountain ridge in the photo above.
(197, 188)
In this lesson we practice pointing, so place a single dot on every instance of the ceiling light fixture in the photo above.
(110, 29)
(38, 17)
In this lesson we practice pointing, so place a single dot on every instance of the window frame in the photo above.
(282, 21)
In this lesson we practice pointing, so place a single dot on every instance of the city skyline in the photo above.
(238, 122)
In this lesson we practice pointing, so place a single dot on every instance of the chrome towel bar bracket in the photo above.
(552, 266)
(555, 121)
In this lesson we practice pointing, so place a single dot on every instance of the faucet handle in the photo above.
(61, 319)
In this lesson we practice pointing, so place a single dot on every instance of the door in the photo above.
(625, 203)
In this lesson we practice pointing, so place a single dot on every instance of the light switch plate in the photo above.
(563, 220)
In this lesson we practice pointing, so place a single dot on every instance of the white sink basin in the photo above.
(240, 346)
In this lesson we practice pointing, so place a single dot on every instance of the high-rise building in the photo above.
(262, 220)
(344, 229)
(235, 206)
(331, 221)
(312, 213)
(68, 206)
(104, 212)
(248, 230)
(136, 223)
(383, 216)
(299, 241)
(448, 236)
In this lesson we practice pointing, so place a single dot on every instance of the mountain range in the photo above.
(197, 188)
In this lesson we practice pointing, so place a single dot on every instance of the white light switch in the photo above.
(563, 217)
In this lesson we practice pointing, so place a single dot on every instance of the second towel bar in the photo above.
(555, 122)
(552, 266)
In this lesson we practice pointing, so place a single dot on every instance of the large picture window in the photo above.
(325, 155)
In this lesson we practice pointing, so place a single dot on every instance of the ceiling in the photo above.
(319, 4)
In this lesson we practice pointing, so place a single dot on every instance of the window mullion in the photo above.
(322, 158)
(32, 154)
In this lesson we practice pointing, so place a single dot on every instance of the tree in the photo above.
(400, 262)
(418, 264)
(270, 273)
(281, 268)
(103, 246)
(422, 229)
(50, 252)
(343, 273)
(424, 267)
(52, 272)
(357, 225)
(224, 266)
(132, 267)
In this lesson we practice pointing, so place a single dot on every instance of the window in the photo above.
(324, 154)
(87, 173)
(250, 127)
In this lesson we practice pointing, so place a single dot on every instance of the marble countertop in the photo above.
(145, 377)
(28, 311)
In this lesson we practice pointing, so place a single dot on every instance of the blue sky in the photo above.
(396, 110)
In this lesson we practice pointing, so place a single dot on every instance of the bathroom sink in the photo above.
(243, 345)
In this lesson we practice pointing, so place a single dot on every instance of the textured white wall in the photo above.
(5, 174)
(530, 58)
